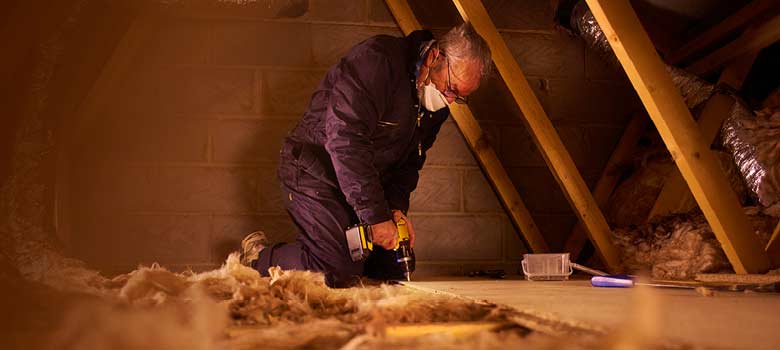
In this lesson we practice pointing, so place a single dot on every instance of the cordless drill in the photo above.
(360, 243)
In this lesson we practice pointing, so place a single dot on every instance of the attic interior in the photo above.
(141, 143)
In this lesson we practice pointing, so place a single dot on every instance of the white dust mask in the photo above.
(431, 98)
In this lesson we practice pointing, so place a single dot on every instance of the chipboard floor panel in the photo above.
(726, 320)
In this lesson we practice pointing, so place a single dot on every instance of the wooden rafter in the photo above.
(543, 132)
(691, 153)
(751, 40)
(484, 153)
(773, 247)
(675, 196)
(733, 23)
(609, 179)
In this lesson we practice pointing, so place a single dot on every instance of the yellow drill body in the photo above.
(360, 243)
(403, 248)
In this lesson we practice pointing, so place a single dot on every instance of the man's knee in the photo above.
(342, 274)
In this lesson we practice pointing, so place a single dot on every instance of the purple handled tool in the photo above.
(627, 281)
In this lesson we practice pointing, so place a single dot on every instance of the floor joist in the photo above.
(477, 141)
(544, 134)
(681, 135)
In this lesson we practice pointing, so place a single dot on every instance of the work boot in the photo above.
(251, 247)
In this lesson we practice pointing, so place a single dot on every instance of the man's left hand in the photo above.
(398, 215)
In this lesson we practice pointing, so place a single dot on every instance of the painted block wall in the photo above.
(182, 163)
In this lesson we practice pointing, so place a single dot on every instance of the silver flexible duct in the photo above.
(693, 89)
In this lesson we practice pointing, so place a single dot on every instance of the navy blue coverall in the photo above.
(354, 156)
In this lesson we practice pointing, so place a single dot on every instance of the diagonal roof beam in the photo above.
(610, 177)
(773, 247)
(544, 134)
(751, 40)
(675, 196)
(681, 135)
(479, 145)
(740, 19)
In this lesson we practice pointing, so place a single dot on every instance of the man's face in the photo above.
(456, 79)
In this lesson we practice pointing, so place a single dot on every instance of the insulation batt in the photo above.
(234, 308)
(680, 246)
(153, 307)
(754, 142)
(634, 197)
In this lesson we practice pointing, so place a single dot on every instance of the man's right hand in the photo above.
(385, 234)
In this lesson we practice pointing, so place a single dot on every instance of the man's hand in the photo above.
(398, 215)
(385, 234)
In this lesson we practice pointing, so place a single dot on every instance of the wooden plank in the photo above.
(609, 178)
(401, 331)
(681, 317)
(773, 247)
(730, 278)
(675, 197)
(681, 134)
(544, 134)
(735, 73)
(477, 141)
(404, 15)
(737, 21)
(449, 329)
(750, 41)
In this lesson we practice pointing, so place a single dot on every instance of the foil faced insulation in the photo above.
(693, 89)
(754, 142)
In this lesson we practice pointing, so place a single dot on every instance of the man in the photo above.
(355, 155)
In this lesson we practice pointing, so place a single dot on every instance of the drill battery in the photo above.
(359, 241)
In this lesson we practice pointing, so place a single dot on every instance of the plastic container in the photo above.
(546, 267)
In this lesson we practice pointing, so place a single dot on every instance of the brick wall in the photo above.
(181, 164)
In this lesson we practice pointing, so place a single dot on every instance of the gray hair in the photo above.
(463, 42)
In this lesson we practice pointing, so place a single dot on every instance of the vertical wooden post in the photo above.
(681, 135)
(484, 153)
(544, 134)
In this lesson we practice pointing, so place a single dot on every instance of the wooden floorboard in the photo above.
(726, 320)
